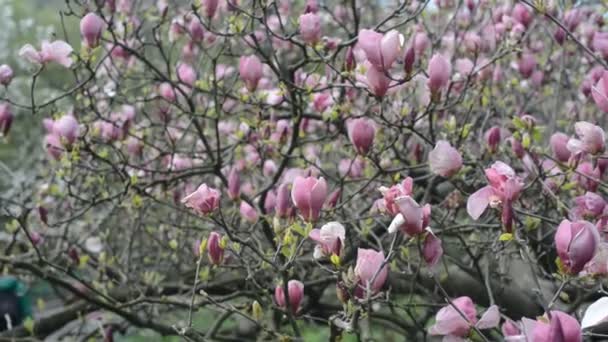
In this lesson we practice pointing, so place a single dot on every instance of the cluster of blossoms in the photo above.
(328, 165)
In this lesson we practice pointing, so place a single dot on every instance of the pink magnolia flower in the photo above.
(204, 200)
(308, 195)
(332, 199)
(215, 251)
(310, 27)
(250, 69)
(270, 202)
(412, 218)
(522, 14)
(186, 74)
(53, 146)
(377, 81)
(526, 65)
(322, 101)
(197, 31)
(6, 74)
(370, 272)
(598, 266)
(234, 184)
(178, 163)
(591, 138)
(352, 168)
(444, 160)
(561, 327)
(420, 42)
(349, 60)
(404, 188)
(6, 118)
(66, 129)
(517, 148)
(439, 71)
(91, 27)
(167, 92)
(380, 49)
(587, 176)
(559, 146)
(576, 243)
(107, 131)
(295, 292)
(492, 138)
(248, 212)
(431, 249)
(504, 188)
(283, 206)
(510, 328)
(361, 132)
(408, 60)
(311, 6)
(329, 239)
(135, 146)
(209, 7)
(588, 206)
(599, 92)
(57, 51)
(449, 321)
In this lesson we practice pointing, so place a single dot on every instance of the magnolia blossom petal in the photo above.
(444, 159)
(30, 54)
(397, 222)
(490, 318)
(596, 313)
(479, 201)
(432, 249)
(58, 52)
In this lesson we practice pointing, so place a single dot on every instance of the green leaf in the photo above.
(28, 324)
(518, 123)
(505, 237)
(202, 247)
(257, 310)
(525, 141)
(335, 259)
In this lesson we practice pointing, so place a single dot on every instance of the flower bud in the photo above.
(444, 160)
(6, 75)
(310, 28)
(6, 119)
(439, 71)
(559, 146)
(295, 292)
(576, 244)
(209, 7)
(234, 184)
(349, 60)
(204, 200)
(361, 132)
(91, 27)
(492, 137)
(408, 60)
(215, 251)
(248, 212)
(431, 249)
(250, 69)
(308, 195)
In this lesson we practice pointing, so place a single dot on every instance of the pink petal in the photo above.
(490, 318)
(479, 201)
(30, 54)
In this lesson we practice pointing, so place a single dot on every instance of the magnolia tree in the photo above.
(424, 169)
